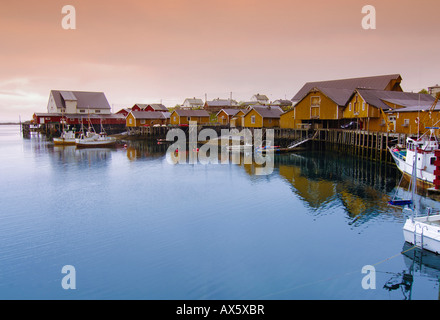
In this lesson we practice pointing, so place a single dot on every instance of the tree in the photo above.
(424, 91)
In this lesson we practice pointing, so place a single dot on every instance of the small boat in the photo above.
(421, 230)
(94, 140)
(67, 138)
(427, 149)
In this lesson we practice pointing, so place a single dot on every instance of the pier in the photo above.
(365, 144)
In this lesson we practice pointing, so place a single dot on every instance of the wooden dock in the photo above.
(365, 144)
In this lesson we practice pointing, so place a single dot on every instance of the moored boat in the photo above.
(94, 140)
(67, 138)
(421, 230)
(427, 150)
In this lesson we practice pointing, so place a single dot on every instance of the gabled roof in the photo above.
(267, 112)
(158, 107)
(194, 101)
(374, 82)
(261, 97)
(406, 99)
(229, 112)
(148, 115)
(191, 113)
(339, 96)
(85, 100)
(221, 103)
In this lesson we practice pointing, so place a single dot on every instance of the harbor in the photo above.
(110, 221)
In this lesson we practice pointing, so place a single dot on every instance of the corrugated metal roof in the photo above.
(268, 112)
(192, 113)
(85, 100)
(148, 115)
(158, 107)
(221, 103)
(68, 95)
(374, 82)
(407, 99)
(229, 112)
(339, 96)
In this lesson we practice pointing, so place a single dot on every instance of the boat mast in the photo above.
(414, 183)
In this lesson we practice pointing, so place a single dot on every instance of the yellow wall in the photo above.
(326, 109)
(184, 120)
(287, 120)
(130, 121)
(258, 120)
(223, 118)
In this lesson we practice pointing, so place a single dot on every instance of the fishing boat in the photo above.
(91, 139)
(421, 230)
(67, 138)
(427, 149)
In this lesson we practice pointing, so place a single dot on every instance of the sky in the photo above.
(166, 51)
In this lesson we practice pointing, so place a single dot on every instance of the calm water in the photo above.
(136, 227)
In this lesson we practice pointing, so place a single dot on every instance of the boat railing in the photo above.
(399, 155)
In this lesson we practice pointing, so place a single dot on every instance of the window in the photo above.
(188, 118)
(253, 119)
(406, 122)
(142, 121)
(97, 111)
(363, 106)
(270, 120)
(174, 118)
(349, 107)
(130, 121)
(82, 111)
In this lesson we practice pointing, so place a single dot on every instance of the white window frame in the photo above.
(253, 119)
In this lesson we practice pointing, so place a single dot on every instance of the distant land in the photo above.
(8, 123)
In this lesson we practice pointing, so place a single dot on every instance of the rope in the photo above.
(337, 276)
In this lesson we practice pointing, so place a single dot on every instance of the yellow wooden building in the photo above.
(183, 117)
(146, 118)
(224, 116)
(238, 119)
(321, 104)
(319, 108)
(382, 111)
(263, 117)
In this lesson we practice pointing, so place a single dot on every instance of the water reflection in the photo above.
(73, 155)
(322, 180)
(420, 265)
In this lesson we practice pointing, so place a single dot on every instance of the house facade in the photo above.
(145, 119)
(78, 102)
(262, 117)
(183, 117)
(224, 116)
(192, 103)
(260, 98)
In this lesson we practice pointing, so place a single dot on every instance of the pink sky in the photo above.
(152, 51)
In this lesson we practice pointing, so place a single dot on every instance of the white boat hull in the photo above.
(423, 232)
(95, 143)
(406, 168)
